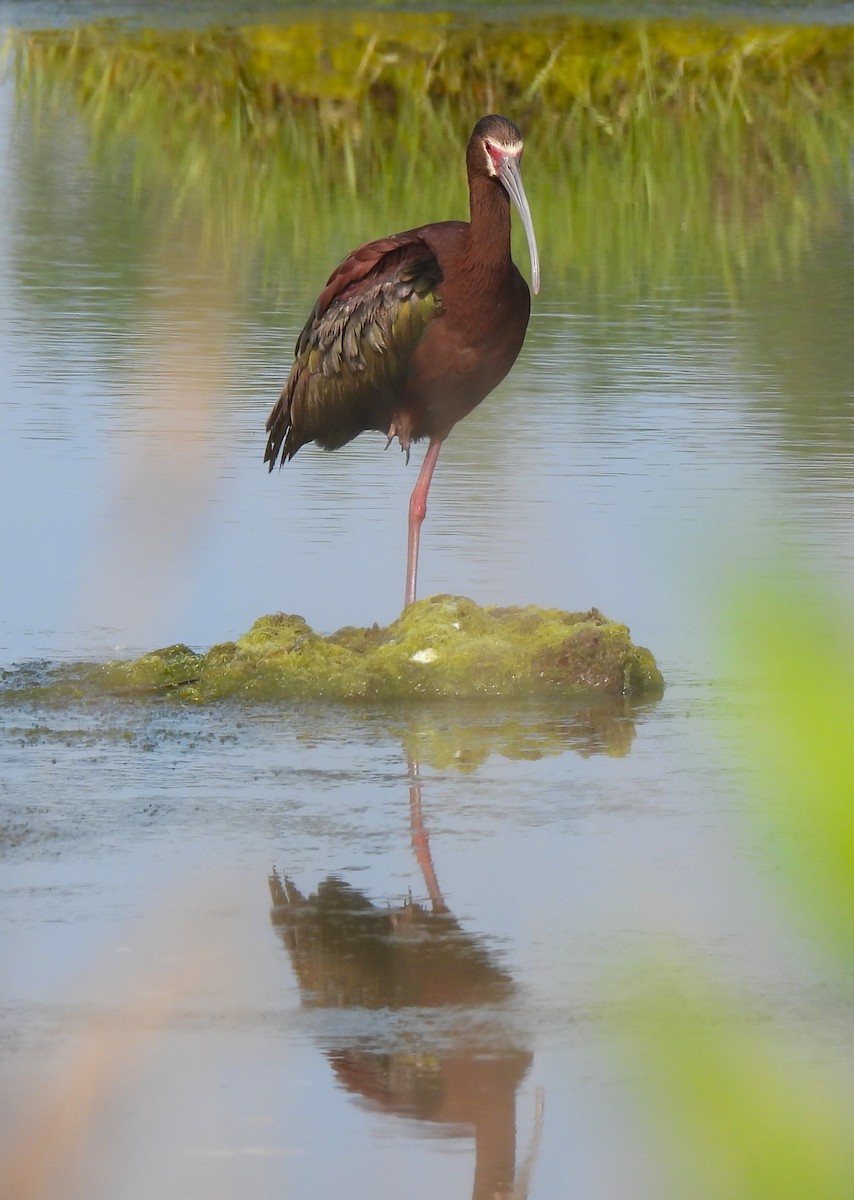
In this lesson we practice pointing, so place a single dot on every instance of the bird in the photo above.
(414, 330)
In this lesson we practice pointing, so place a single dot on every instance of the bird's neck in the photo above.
(489, 228)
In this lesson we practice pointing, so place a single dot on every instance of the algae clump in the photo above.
(443, 646)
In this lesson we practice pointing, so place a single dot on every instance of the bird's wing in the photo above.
(356, 346)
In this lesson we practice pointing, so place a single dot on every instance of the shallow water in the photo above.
(647, 450)
(138, 849)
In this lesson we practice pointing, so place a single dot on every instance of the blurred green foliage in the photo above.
(802, 648)
(745, 1114)
(738, 1115)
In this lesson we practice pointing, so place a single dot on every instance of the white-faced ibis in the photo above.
(412, 331)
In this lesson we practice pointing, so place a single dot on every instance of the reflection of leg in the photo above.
(420, 839)
(523, 1175)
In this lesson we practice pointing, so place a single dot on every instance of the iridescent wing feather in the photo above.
(354, 352)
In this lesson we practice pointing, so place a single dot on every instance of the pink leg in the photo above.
(417, 512)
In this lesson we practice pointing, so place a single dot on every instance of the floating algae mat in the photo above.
(444, 646)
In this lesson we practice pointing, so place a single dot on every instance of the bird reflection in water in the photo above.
(460, 1071)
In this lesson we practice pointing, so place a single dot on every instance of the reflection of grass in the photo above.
(463, 739)
(649, 145)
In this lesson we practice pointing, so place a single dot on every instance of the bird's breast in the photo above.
(465, 353)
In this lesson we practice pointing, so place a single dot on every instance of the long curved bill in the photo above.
(509, 174)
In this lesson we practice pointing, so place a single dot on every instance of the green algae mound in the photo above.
(444, 646)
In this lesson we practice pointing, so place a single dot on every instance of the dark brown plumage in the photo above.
(412, 331)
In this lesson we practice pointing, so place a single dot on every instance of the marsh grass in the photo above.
(650, 145)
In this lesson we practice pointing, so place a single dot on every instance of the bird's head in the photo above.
(495, 149)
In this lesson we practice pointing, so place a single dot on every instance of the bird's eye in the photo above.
(496, 153)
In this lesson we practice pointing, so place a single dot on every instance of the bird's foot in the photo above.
(394, 431)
